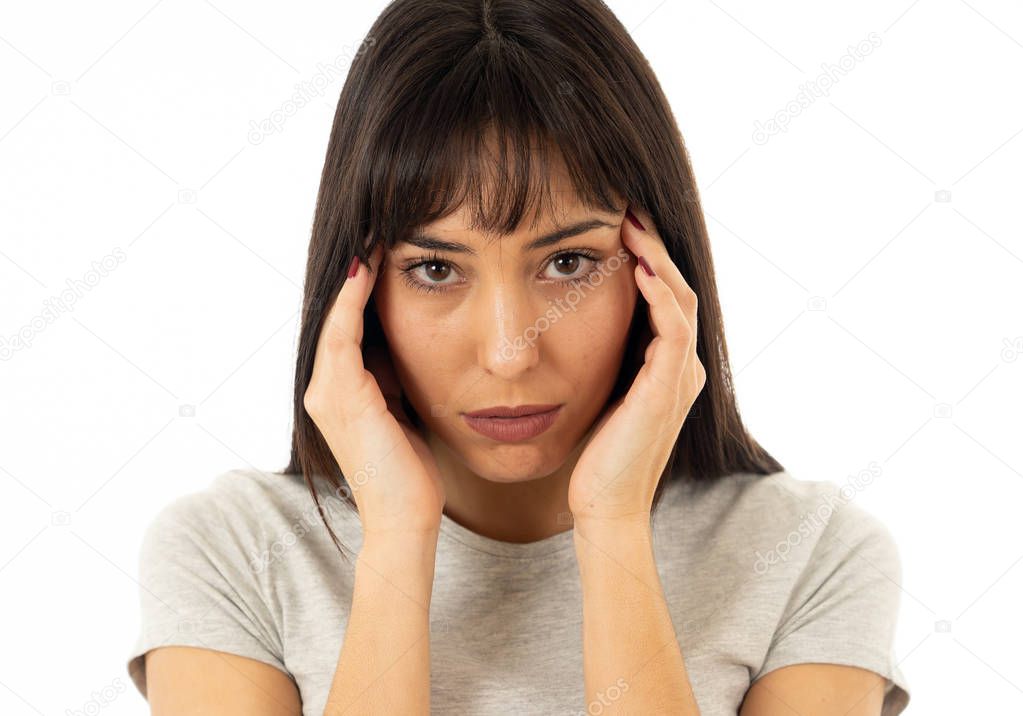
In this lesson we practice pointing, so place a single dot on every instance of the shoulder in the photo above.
(828, 519)
(258, 518)
(200, 570)
(839, 568)
(238, 512)
(240, 495)
(786, 517)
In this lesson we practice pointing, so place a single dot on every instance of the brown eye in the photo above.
(568, 266)
(567, 263)
(435, 271)
(427, 274)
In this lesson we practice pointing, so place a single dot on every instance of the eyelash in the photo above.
(408, 269)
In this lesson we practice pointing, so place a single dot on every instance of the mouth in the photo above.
(519, 411)
(507, 424)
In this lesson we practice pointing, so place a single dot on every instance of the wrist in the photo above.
(620, 529)
(401, 546)
(405, 560)
(610, 548)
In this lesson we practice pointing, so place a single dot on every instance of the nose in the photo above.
(509, 329)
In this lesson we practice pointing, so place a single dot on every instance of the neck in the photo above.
(526, 510)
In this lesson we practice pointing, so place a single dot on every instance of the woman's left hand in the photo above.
(617, 473)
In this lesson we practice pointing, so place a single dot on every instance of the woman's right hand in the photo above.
(390, 469)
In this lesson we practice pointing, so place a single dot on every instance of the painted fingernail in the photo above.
(634, 220)
(646, 266)
(353, 267)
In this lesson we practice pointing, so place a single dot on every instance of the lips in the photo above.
(519, 411)
(525, 425)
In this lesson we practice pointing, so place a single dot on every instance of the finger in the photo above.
(647, 243)
(344, 319)
(647, 239)
(339, 346)
(667, 354)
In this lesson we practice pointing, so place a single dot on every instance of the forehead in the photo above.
(562, 207)
(500, 194)
(449, 235)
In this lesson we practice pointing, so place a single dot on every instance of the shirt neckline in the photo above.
(554, 544)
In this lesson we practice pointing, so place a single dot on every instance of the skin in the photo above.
(598, 463)
(488, 304)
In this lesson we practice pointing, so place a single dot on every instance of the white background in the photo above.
(870, 261)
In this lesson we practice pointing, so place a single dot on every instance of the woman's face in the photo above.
(490, 322)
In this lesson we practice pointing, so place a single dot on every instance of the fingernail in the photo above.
(646, 266)
(353, 267)
(634, 220)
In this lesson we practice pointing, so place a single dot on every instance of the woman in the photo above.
(555, 505)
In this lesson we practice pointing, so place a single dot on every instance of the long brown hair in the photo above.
(431, 81)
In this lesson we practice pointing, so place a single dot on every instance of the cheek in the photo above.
(421, 342)
(408, 322)
(611, 305)
(416, 340)
(592, 338)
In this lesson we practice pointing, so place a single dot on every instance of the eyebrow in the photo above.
(431, 243)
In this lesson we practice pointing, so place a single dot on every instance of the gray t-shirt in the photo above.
(758, 571)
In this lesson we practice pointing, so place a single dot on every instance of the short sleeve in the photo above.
(844, 606)
(198, 588)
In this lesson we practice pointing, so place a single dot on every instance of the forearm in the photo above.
(384, 666)
(631, 658)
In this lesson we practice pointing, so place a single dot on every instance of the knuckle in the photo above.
(312, 403)
(701, 375)
(684, 334)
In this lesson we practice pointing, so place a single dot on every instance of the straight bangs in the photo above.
(488, 135)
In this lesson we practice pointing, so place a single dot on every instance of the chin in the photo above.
(513, 462)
